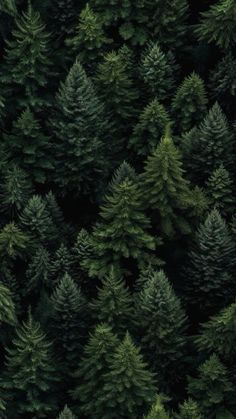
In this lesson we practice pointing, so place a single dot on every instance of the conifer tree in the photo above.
(13, 242)
(92, 368)
(27, 63)
(209, 272)
(162, 323)
(113, 304)
(15, 191)
(150, 127)
(157, 72)
(213, 390)
(62, 16)
(189, 410)
(82, 252)
(218, 24)
(220, 191)
(30, 375)
(158, 410)
(62, 263)
(29, 148)
(190, 103)
(80, 128)
(166, 190)
(38, 272)
(7, 306)
(124, 172)
(122, 232)
(8, 6)
(127, 371)
(68, 323)
(66, 414)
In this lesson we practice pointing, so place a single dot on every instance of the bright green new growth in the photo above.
(158, 410)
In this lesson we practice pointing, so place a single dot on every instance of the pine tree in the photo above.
(124, 172)
(38, 272)
(29, 148)
(92, 368)
(209, 273)
(122, 232)
(68, 323)
(218, 24)
(158, 410)
(80, 128)
(213, 390)
(162, 324)
(7, 307)
(220, 191)
(13, 242)
(157, 72)
(149, 129)
(113, 304)
(219, 334)
(127, 371)
(190, 103)
(30, 375)
(66, 414)
(165, 190)
(15, 191)
(62, 263)
(27, 63)
(189, 410)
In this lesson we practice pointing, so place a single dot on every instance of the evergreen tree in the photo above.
(149, 129)
(219, 334)
(113, 304)
(68, 322)
(209, 282)
(13, 242)
(190, 103)
(54, 210)
(158, 410)
(62, 16)
(80, 128)
(165, 190)
(189, 410)
(127, 371)
(15, 191)
(62, 263)
(157, 72)
(218, 24)
(66, 414)
(8, 6)
(124, 172)
(38, 272)
(220, 191)
(162, 323)
(122, 232)
(30, 376)
(27, 63)
(7, 307)
(213, 390)
(92, 368)
(29, 148)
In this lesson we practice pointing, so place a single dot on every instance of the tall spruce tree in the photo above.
(162, 325)
(158, 410)
(13, 242)
(38, 272)
(66, 414)
(220, 191)
(62, 263)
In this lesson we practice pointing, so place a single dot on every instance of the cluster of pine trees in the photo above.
(118, 209)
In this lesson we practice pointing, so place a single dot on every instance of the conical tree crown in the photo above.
(66, 414)
(13, 242)
(158, 410)
(220, 191)
(189, 410)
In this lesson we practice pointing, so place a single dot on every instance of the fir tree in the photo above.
(62, 16)
(7, 306)
(13, 242)
(220, 191)
(30, 376)
(157, 72)
(158, 410)
(209, 272)
(189, 410)
(190, 103)
(124, 172)
(127, 371)
(166, 190)
(66, 414)
(94, 364)
(15, 191)
(54, 210)
(113, 304)
(218, 24)
(80, 128)
(213, 390)
(27, 63)
(38, 272)
(29, 148)
(162, 323)
(149, 129)
(62, 263)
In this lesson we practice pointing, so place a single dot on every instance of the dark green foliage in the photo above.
(38, 272)
(80, 128)
(8, 6)
(114, 305)
(218, 24)
(189, 410)
(7, 307)
(220, 191)
(162, 324)
(158, 410)
(29, 147)
(15, 191)
(209, 275)
(62, 263)
(13, 242)
(148, 131)
(62, 16)
(124, 172)
(66, 414)
(213, 390)
(30, 375)
(190, 102)
(92, 369)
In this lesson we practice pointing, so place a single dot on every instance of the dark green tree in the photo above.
(13, 242)
(66, 414)
(209, 273)
(189, 105)
(7, 307)
(30, 376)
(8, 6)
(220, 191)
(92, 368)
(124, 172)
(218, 24)
(189, 409)
(213, 390)
(158, 410)
(62, 16)
(38, 272)
(162, 324)
(62, 263)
